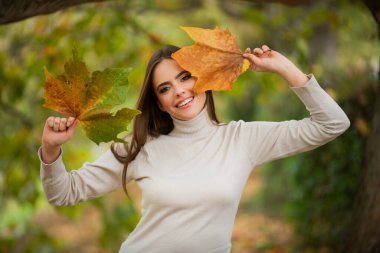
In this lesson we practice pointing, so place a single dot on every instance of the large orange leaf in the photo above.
(215, 59)
(97, 101)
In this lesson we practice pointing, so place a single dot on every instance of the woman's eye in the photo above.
(163, 90)
(186, 77)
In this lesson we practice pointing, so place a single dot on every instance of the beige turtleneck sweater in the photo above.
(192, 179)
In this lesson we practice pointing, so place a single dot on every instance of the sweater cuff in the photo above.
(53, 169)
(311, 94)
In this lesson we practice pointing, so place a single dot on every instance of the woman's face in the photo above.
(173, 87)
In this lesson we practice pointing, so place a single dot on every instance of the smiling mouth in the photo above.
(185, 102)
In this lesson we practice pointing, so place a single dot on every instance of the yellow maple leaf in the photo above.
(215, 59)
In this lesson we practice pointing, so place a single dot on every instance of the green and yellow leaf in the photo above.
(91, 99)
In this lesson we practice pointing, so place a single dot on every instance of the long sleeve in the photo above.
(267, 141)
(92, 180)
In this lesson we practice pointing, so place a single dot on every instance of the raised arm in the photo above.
(64, 188)
(268, 141)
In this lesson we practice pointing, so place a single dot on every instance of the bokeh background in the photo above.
(305, 203)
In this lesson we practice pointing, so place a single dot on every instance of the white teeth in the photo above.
(185, 102)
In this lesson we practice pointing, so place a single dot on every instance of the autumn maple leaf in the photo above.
(96, 101)
(215, 59)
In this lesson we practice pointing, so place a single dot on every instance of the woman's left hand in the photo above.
(266, 60)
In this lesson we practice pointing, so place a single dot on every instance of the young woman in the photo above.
(191, 169)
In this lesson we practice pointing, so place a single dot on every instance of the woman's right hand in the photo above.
(56, 132)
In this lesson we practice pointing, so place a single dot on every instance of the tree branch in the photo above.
(16, 10)
(285, 2)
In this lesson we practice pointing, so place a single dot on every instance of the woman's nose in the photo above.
(179, 89)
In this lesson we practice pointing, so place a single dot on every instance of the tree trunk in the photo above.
(16, 10)
(365, 234)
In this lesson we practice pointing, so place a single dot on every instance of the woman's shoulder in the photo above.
(151, 143)
(237, 128)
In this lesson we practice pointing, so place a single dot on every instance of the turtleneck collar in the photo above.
(199, 125)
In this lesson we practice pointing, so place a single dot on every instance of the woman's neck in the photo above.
(199, 125)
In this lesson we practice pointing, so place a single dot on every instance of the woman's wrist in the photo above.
(50, 153)
(293, 75)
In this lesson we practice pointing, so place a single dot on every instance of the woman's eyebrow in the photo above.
(162, 84)
(176, 77)
(180, 73)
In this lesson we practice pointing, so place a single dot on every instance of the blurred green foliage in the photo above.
(314, 190)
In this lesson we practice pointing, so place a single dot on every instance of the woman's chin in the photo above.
(187, 114)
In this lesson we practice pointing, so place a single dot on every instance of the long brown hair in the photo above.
(152, 121)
